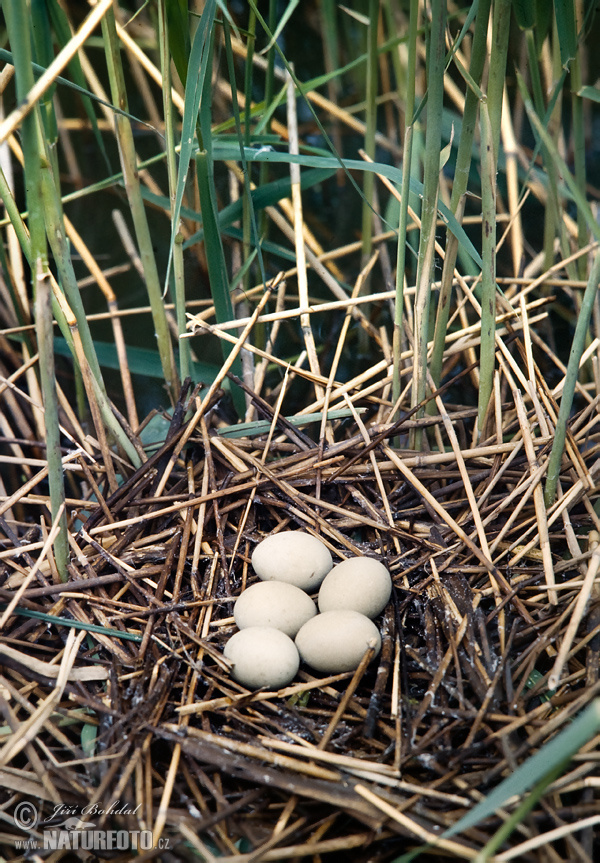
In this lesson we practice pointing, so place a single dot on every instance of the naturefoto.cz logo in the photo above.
(77, 832)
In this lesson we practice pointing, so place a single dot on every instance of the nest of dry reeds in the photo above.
(122, 709)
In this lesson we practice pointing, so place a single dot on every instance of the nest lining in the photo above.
(385, 755)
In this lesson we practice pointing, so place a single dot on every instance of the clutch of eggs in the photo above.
(277, 609)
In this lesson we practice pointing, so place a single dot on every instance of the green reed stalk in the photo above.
(264, 171)
(546, 141)
(264, 168)
(49, 203)
(491, 115)
(44, 329)
(244, 138)
(22, 314)
(433, 140)
(331, 42)
(213, 243)
(18, 21)
(370, 128)
(565, 12)
(566, 401)
(553, 221)
(332, 39)
(551, 213)
(14, 215)
(578, 126)
(487, 357)
(409, 111)
(53, 218)
(136, 202)
(459, 186)
(247, 138)
(185, 357)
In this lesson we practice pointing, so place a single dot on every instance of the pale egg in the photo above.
(336, 641)
(262, 656)
(359, 583)
(274, 603)
(292, 556)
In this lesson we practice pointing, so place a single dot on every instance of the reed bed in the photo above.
(424, 390)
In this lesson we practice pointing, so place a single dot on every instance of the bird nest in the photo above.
(121, 712)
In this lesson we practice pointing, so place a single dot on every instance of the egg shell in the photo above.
(262, 656)
(360, 583)
(292, 556)
(274, 603)
(336, 641)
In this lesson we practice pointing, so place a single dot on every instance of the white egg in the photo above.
(274, 603)
(360, 583)
(336, 641)
(262, 656)
(293, 556)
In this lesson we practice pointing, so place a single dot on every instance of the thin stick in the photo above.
(546, 839)
(358, 674)
(578, 612)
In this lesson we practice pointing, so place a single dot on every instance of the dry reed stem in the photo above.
(425, 835)
(10, 124)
